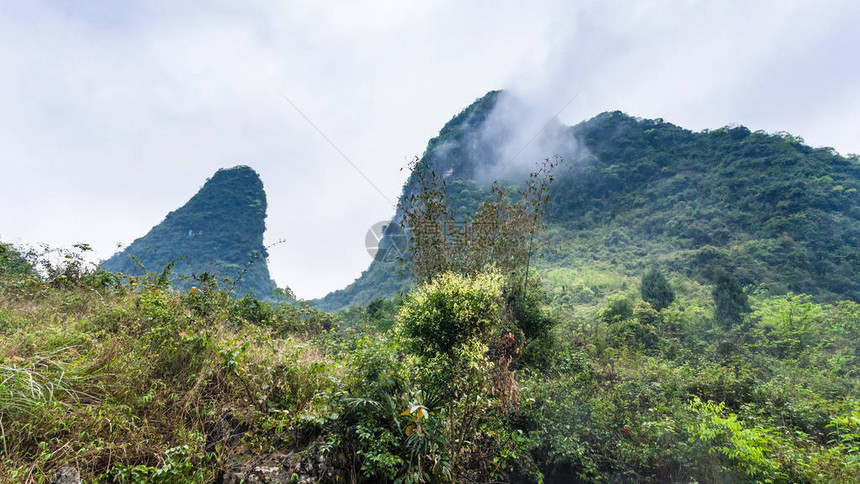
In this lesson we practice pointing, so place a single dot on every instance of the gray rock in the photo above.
(269, 470)
(67, 475)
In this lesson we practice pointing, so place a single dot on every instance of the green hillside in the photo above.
(776, 212)
(219, 231)
(637, 192)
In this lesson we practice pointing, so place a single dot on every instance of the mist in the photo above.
(520, 135)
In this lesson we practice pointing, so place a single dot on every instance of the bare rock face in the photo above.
(67, 475)
(262, 474)
(280, 468)
(273, 469)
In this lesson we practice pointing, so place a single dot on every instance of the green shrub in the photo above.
(656, 289)
(747, 448)
(450, 312)
(730, 300)
(618, 308)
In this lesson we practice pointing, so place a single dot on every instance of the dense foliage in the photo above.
(131, 382)
(638, 192)
(656, 290)
(730, 302)
(451, 312)
(765, 207)
(12, 262)
(217, 234)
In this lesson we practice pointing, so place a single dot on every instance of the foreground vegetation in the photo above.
(476, 375)
(654, 337)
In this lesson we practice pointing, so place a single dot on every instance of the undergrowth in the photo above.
(130, 382)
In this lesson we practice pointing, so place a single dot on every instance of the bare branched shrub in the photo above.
(500, 232)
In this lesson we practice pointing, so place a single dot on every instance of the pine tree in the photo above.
(731, 302)
(656, 289)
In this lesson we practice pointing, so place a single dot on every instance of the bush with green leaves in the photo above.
(750, 449)
(656, 289)
(640, 331)
(457, 329)
(789, 325)
(451, 312)
(618, 308)
(730, 300)
(13, 263)
(181, 466)
(845, 433)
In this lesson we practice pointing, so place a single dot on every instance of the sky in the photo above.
(112, 114)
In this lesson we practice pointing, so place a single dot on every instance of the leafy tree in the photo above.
(618, 309)
(790, 324)
(13, 263)
(656, 289)
(451, 311)
(638, 331)
(730, 300)
(746, 449)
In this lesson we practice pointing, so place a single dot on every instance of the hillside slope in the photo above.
(774, 211)
(219, 231)
(635, 192)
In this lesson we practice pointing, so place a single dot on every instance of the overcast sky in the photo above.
(114, 113)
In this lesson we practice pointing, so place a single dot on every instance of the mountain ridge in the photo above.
(774, 211)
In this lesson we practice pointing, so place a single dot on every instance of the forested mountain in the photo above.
(218, 232)
(635, 192)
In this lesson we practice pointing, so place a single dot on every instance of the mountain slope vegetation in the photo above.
(218, 232)
(776, 212)
(634, 192)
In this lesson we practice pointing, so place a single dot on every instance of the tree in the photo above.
(730, 300)
(656, 289)
(495, 237)
(450, 312)
(13, 263)
(790, 324)
(500, 232)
